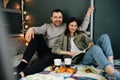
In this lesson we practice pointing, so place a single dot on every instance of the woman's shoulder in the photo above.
(82, 34)
(63, 34)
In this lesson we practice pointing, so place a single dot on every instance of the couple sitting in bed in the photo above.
(72, 42)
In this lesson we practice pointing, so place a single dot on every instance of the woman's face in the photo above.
(73, 27)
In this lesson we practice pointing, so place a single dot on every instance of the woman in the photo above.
(72, 42)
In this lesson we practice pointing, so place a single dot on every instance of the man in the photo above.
(37, 43)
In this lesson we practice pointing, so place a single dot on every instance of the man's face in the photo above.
(57, 18)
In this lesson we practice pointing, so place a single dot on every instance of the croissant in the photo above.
(61, 69)
(70, 71)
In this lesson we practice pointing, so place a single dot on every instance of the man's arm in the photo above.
(86, 21)
(29, 34)
(35, 30)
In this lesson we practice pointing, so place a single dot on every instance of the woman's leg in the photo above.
(105, 43)
(37, 44)
(95, 55)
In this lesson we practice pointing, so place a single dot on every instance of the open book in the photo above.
(79, 54)
(77, 58)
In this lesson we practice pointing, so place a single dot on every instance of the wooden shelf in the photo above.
(10, 10)
(14, 35)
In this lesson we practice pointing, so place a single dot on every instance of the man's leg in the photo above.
(41, 64)
(37, 44)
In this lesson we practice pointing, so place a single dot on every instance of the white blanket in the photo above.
(81, 72)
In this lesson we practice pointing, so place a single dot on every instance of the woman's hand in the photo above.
(90, 45)
(29, 34)
(72, 53)
(68, 53)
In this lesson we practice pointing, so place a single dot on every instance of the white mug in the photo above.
(57, 62)
(67, 62)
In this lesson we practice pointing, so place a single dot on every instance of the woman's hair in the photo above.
(72, 19)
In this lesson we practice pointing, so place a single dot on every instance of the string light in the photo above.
(26, 26)
(27, 0)
(17, 6)
(25, 12)
(27, 17)
(26, 43)
(21, 36)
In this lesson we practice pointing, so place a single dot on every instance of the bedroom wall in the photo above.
(40, 9)
(106, 20)
(12, 15)
(106, 16)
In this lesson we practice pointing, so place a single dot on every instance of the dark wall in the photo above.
(106, 16)
(13, 22)
(107, 20)
(41, 9)
(12, 16)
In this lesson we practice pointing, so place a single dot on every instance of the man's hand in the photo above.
(29, 34)
(90, 10)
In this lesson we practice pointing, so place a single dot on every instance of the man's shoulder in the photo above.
(52, 25)
(63, 24)
(47, 24)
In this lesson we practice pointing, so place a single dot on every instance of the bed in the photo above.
(81, 74)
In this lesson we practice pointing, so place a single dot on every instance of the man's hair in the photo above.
(56, 10)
